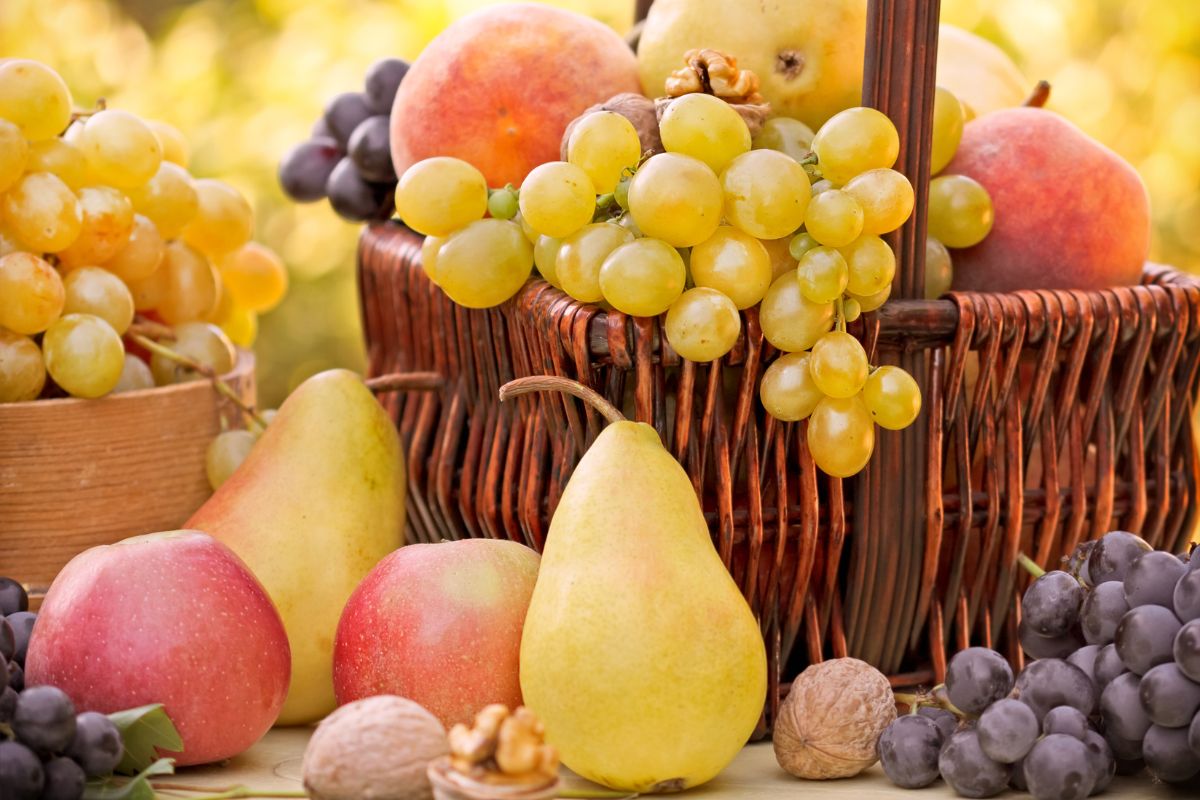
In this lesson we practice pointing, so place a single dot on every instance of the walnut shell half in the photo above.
(831, 720)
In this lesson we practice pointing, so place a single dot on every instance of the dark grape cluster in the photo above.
(348, 158)
(1114, 685)
(47, 751)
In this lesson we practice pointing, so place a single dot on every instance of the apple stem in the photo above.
(1030, 565)
(1039, 95)
(405, 382)
(553, 383)
(219, 385)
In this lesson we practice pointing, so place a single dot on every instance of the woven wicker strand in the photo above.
(1049, 418)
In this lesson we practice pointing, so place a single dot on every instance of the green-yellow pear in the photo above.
(639, 652)
(317, 503)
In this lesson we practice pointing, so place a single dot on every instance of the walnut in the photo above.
(634, 107)
(831, 720)
(501, 749)
(716, 73)
(379, 748)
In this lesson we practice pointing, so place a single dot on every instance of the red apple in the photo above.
(498, 87)
(1069, 212)
(173, 618)
(439, 624)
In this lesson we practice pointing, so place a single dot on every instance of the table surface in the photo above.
(274, 765)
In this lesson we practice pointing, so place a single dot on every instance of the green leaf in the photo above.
(145, 731)
(135, 788)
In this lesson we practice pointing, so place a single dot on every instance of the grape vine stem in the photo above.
(222, 388)
(1030, 565)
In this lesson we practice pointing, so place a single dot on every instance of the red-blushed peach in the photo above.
(498, 88)
(439, 624)
(1069, 212)
(173, 618)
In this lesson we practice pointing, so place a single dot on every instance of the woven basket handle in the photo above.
(900, 67)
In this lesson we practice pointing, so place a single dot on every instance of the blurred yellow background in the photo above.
(246, 79)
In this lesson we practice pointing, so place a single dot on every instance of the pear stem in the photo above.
(1039, 96)
(405, 382)
(219, 385)
(553, 383)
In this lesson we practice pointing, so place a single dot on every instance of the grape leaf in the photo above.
(136, 788)
(145, 731)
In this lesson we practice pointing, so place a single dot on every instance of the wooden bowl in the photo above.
(79, 473)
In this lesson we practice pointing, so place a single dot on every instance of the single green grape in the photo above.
(841, 436)
(787, 390)
(834, 218)
(789, 136)
(851, 309)
(203, 343)
(174, 145)
(169, 199)
(872, 301)
(675, 198)
(60, 158)
(34, 98)
(440, 195)
(92, 290)
(526, 228)
(893, 398)
(734, 263)
(823, 275)
(107, 224)
(948, 120)
(135, 375)
(31, 293)
(871, 264)
(789, 321)
(503, 203)
(704, 126)
(766, 194)
(854, 141)
(142, 253)
(582, 254)
(545, 258)
(801, 243)
(120, 149)
(939, 270)
(603, 144)
(225, 454)
(22, 372)
(14, 154)
(191, 285)
(42, 212)
(702, 325)
(224, 220)
(621, 192)
(429, 253)
(839, 364)
(83, 354)
(643, 277)
(485, 263)
(557, 198)
(960, 211)
(885, 197)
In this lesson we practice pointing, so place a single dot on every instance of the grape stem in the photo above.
(841, 313)
(1030, 565)
(553, 383)
(222, 388)
(604, 201)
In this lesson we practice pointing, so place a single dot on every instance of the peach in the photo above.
(498, 88)
(1069, 212)
(439, 624)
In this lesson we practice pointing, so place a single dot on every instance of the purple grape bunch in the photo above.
(348, 157)
(47, 751)
(1113, 686)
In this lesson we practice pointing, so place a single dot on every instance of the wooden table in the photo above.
(274, 765)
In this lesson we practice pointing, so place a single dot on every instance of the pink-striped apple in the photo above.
(439, 624)
(173, 618)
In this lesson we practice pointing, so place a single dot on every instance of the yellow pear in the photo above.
(639, 652)
(808, 54)
(980, 74)
(317, 503)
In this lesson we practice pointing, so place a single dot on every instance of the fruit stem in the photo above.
(228, 793)
(605, 201)
(1038, 97)
(554, 383)
(405, 382)
(219, 385)
(840, 304)
(1030, 565)
(602, 793)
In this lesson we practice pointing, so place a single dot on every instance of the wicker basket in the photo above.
(1049, 418)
